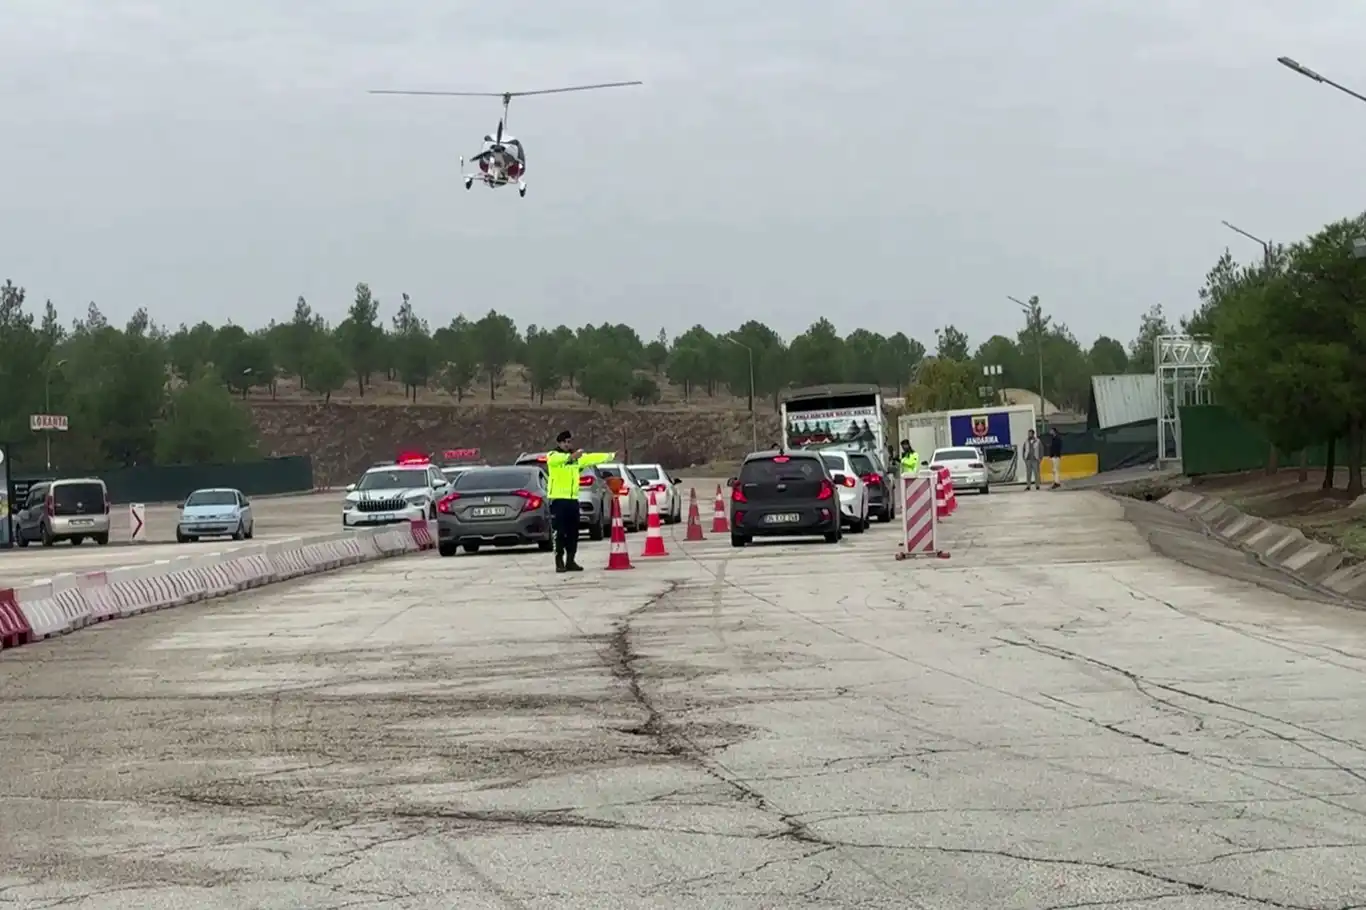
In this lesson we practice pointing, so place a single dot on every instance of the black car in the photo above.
(783, 494)
(881, 487)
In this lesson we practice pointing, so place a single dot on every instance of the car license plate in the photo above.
(82, 522)
(487, 511)
(782, 518)
(383, 516)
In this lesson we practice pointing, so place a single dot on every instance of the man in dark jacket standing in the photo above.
(1055, 456)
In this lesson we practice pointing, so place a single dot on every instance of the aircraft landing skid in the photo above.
(491, 182)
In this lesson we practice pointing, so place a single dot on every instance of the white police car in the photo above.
(394, 492)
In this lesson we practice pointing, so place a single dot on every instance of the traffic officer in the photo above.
(562, 465)
(910, 461)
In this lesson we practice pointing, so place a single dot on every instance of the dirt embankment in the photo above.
(344, 439)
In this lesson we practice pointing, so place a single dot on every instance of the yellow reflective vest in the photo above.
(910, 464)
(563, 471)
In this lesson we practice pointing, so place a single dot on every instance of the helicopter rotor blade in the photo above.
(499, 138)
(507, 95)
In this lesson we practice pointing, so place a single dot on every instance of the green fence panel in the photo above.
(172, 483)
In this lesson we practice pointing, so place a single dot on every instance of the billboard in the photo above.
(851, 428)
(988, 430)
(7, 506)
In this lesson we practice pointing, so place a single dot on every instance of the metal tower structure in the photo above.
(1184, 365)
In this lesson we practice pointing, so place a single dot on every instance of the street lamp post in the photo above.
(1035, 313)
(1296, 67)
(1264, 244)
(47, 405)
(753, 413)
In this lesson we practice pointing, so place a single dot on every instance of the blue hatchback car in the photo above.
(219, 512)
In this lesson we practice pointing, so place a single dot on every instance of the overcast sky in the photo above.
(889, 164)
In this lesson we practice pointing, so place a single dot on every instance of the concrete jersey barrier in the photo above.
(72, 601)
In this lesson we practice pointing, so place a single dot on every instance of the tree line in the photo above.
(1290, 338)
(146, 393)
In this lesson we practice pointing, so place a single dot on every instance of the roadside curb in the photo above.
(72, 601)
(1310, 562)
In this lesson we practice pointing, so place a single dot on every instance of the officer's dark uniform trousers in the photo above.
(564, 516)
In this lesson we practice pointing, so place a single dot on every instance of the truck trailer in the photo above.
(998, 431)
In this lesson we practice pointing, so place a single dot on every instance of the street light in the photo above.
(1265, 244)
(753, 414)
(1035, 313)
(47, 405)
(1296, 67)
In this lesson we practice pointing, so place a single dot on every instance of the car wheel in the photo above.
(885, 515)
(181, 538)
(20, 539)
(46, 536)
(471, 547)
(984, 490)
(738, 540)
(832, 537)
(102, 539)
(857, 526)
(595, 531)
(446, 548)
(240, 533)
(251, 530)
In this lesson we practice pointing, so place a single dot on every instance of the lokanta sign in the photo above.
(47, 422)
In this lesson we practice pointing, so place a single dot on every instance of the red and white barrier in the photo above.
(69, 602)
(920, 517)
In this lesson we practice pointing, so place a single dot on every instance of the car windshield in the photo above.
(394, 480)
(212, 498)
(645, 472)
(496, 479)
(779, 469)
(863, 464)
(956, 455)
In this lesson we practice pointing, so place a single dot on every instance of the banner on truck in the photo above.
(990, 430)
(847, 427)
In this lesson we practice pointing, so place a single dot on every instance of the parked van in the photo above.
(65, 509)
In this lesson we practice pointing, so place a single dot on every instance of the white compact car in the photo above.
(393, 493)
(852, 489)
(967, 467)
(667, 495)
(631, 498)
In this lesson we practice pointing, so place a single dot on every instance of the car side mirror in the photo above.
(181, 506)
(730, 481)
(839, 478)
(350, 488)
(677, 481)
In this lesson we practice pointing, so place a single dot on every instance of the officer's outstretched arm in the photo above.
(557, 459)
(591, 458)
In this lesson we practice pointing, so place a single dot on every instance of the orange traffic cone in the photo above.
(694, 517)
(617, 557)
(654, 534)
(719, 524)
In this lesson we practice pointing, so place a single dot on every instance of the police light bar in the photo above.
(412, 458)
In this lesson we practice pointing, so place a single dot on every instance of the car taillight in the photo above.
(532, 500)
(737, 494)
(872, 479)
(48, 506)
(827, 490)
(978, 465)
(444, 504)
(846, 481)
(586, 480)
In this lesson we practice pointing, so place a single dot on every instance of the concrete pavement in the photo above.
(277, 518)
(1055, 717)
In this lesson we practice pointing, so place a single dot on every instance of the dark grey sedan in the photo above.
(501, 507)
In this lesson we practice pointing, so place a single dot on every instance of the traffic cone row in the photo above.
(719, 524)
(654, 532)
(694, 519)
(941, 493)
(617, 557)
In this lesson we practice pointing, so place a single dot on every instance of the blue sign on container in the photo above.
(987, 431)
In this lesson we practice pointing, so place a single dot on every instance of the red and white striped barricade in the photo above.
(14, 625)
(920, 520)
(52, 607)
(99, 596)
(422, 534)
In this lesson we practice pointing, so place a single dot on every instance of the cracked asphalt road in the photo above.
(1056, 717)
